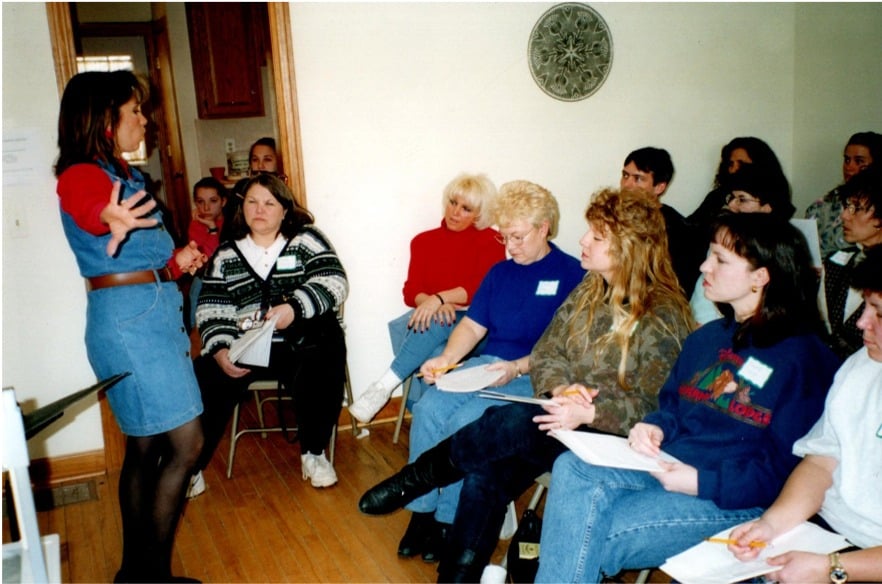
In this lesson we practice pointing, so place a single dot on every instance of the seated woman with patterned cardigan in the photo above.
(277, 265)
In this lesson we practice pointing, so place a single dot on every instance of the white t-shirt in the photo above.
(850, 430)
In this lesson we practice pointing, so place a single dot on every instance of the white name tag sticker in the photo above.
(841, 257)
(547, 287)
(286, 262)
(755, 371)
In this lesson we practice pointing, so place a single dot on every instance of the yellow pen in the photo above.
(442, 369)
(753, 544)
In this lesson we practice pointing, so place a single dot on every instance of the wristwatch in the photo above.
(838, 575)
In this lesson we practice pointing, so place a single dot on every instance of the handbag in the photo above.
(523, 551)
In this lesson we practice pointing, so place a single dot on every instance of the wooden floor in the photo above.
(265, 524)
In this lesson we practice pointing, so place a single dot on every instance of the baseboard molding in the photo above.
(46, 472)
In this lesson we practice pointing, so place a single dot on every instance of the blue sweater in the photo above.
(516, 302)
(734, 415)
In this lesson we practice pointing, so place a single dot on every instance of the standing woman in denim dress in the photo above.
(134, 320)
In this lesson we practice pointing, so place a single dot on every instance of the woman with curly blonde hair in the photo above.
(512, 307)
(601, 362)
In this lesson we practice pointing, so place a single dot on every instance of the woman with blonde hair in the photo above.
(601, 362)
(446, 266)
(743, 389)
(512, 307)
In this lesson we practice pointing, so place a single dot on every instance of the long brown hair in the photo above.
(643, 278)
(90, 106)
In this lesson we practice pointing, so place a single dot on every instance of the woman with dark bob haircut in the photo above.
(744, 388)
(277, 266)
(134, 320)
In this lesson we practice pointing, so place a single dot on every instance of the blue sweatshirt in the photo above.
(734, 415)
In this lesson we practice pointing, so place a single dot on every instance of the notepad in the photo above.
(608, 450)
(516, 398)
(713, 563)
(468, 380)
(253, 348)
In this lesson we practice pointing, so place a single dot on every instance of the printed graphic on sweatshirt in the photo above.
(729, 387)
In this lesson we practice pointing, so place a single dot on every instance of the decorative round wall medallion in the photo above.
(570, 51)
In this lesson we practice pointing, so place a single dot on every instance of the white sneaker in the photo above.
(371, 401)
(318, 470)
(197, 486)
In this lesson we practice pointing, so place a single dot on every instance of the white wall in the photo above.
(44, 299)
(838, 88)
(395, 99)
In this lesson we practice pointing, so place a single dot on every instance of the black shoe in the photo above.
(433, 469)
(436, 543)
(463, 568)
(417, 534)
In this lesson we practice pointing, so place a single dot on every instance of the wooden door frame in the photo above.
(284, 82)
(281, 49)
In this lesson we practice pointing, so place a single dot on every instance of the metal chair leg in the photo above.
(405, 392)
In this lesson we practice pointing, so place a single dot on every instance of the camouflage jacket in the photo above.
(651, 355)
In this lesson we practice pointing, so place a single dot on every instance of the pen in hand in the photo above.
(753, 544)
(442, 369)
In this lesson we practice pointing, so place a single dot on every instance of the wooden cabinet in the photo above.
(226, 46)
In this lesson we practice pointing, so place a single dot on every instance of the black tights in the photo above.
(152, 484)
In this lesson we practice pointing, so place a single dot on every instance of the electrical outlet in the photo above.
(229, 145)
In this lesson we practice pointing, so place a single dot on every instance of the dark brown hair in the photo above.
(89, 106)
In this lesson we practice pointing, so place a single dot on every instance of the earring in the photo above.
(108, 133)
(753, 289)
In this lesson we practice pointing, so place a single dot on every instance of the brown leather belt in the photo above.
(129, 279)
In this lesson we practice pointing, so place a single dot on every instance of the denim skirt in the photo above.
(140, 329)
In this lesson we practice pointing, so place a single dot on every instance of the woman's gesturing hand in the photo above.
(122, 216)
(190, 258)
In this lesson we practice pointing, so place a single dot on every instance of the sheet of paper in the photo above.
(713, 563)
(468, 380)
(809, 229)
(515, 398)
(607, 450)
(253, 348)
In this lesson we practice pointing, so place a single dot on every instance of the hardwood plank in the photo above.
(266, 524)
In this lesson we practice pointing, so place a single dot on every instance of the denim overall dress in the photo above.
(137, 328)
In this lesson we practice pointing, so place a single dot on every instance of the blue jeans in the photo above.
(601, 520)
(436, 416)
(413, 348)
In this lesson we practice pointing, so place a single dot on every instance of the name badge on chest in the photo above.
(755, 371)
(547, 288)
(287, 262)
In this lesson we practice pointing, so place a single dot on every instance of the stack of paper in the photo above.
(253, 348)
(607, 450)
(468, 380)
(713, 563)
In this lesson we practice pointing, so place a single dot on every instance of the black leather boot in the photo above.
(436, 544)
(461, 568)
(416, 537)
(432, 470)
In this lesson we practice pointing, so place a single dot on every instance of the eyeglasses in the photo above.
(514, 239)
(854, 208)
(741, 199)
